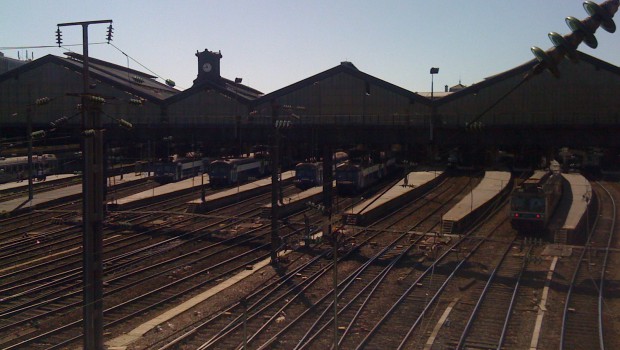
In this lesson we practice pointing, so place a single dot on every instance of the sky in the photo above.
(271, 44)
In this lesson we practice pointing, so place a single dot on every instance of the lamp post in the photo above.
(275, 155)
(433, 72)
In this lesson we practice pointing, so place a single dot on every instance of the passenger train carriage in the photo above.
(532, 204)
(226, 172)
(354, 176)
(176, 169)
(16, 168)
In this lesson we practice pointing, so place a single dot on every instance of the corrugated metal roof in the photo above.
(238, 91)
(123, 78)
(143, 83)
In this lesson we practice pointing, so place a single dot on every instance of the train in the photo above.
(533, 203)
(16, 168)
(357, 174)
(174, 168)
(227, 172)
(310, 174)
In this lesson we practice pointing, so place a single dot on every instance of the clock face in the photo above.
(206, 67)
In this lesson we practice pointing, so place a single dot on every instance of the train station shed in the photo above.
(59, 79)
(212, 99)
(578, 108)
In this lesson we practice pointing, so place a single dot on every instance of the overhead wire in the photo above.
(43, 46)
(133, 59)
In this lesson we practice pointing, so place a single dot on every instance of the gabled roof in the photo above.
(521, 70)
(237, 91)
(347, 68)
(122, 78)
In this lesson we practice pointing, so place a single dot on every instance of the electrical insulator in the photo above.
(37, 134)
(42, 101)
(59, 121)
(97, 99)
(170, 82)
(136, 101)
(89, 132)
(280, 124)
(576, 25)
(58, 37)
(110, 31)
(561, 43)
(600, 15)
(125, 124)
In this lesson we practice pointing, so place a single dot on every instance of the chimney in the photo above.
(446, 88)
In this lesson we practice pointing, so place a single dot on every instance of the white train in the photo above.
(177, 169)
(226, 172)
(353, 177)
(16, 168)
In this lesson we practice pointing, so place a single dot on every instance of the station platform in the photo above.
(570, 221)
(24, 183)
(383, 203)
(158, 193)
(493, 185)
(47, 198)
(235, 194)
(296, 202)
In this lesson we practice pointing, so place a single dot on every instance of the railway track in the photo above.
(582, 320)
(304, 305)
(139, 278)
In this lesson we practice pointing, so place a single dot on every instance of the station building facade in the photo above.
(341, 105)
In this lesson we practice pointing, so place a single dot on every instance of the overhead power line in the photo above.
(42, 46)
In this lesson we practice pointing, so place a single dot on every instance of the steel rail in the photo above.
(603, 269)
(482, 296)
(513, 301)
(574, 278)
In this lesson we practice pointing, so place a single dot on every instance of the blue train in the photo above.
(310, 174)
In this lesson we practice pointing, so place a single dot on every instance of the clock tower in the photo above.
(208, 65)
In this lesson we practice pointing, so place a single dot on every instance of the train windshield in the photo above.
(304, 171)
(526, 203)
(346, 175)
(219, 169)
(166, 168)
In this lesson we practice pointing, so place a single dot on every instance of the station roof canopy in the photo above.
(521, 70)
(347, 68)
(230, 88)
(122, 78)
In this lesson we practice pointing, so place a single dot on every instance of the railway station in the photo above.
(479, 216)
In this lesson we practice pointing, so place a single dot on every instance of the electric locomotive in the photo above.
(310, 174)
(226, 172)
(532, 204)
(176, 169)
(354, 176)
